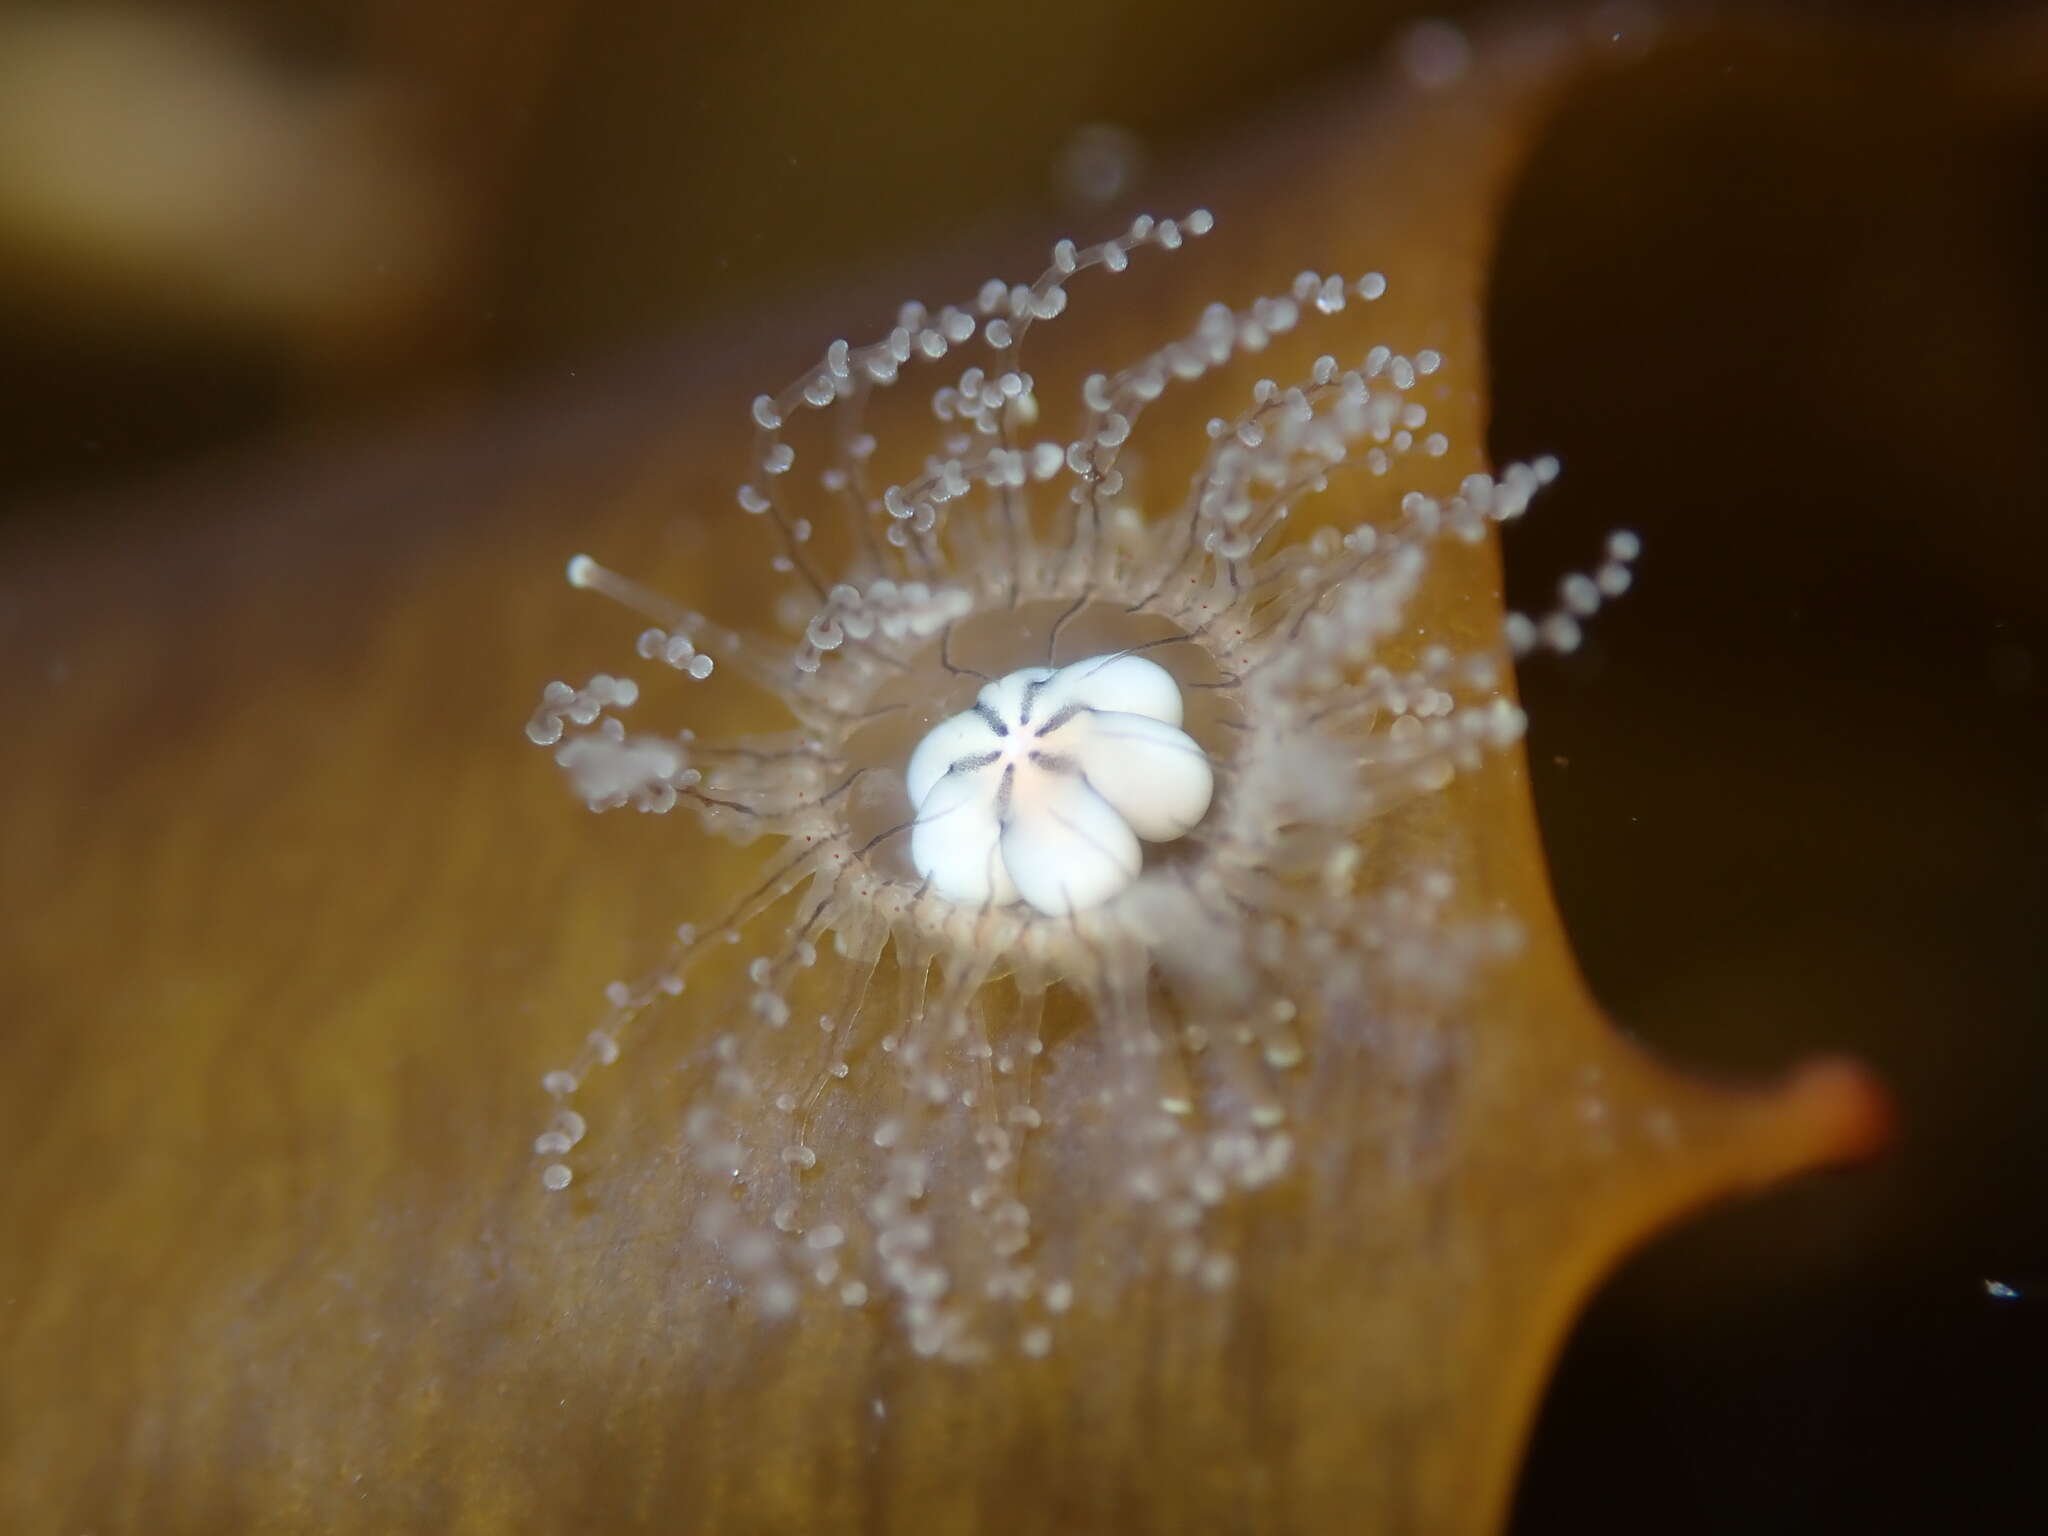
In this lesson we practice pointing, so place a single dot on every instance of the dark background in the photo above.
(1795, 792)
(1783, 316)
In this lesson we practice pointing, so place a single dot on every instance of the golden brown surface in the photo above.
(295, 925)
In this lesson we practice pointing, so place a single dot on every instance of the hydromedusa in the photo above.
(1088, 743)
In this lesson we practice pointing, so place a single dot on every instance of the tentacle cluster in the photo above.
(877, 1108)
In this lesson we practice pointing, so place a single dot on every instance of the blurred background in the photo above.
(230, 223)
(1776, 305)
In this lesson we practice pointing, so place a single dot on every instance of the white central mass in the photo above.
(1041, 791)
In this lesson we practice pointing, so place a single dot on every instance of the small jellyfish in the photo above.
(1068, 740)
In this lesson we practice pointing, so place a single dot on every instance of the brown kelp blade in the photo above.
(297, 927)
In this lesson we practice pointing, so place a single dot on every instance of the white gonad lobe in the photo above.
(1043, 789)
